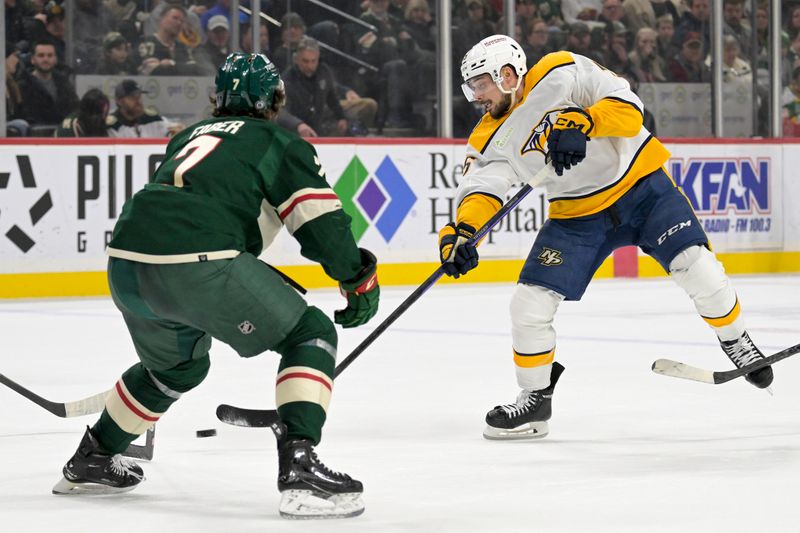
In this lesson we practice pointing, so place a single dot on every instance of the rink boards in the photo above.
(59, 200)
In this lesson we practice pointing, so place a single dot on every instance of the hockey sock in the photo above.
(532, 311)
(697, 271)
(305, 376)
(141, 397)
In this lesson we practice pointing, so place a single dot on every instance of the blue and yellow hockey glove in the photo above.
(566, 144)
(362, 292)
(456, 254)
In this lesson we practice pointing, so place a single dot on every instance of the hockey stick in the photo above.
(675, 369)
(87, 406)
(268, 418)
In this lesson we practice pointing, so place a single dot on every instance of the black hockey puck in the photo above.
(202, 433)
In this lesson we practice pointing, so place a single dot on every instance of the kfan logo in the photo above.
(40, 203)
(718, 186)
(384, 199)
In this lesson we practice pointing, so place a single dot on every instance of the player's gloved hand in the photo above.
(362, 292)
(566, 144)
(456, 254)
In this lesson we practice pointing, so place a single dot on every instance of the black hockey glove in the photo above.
(456, 254)
(362, 292)
(566, 144)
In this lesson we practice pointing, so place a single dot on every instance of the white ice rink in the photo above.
(628, 450)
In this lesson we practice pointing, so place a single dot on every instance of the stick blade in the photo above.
(675, 369)
(247, 418)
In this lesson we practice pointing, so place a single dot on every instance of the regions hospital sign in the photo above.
(59, 200)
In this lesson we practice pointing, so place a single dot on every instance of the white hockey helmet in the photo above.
(488, 57)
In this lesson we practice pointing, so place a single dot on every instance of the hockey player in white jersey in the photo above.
(563, 111)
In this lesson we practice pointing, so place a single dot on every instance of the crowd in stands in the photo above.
(377, 75)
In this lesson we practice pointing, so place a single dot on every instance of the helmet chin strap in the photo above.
(512, 92)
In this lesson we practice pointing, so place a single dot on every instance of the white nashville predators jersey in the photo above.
(510, 150)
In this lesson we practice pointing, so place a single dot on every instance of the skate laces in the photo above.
(743, 352)
(319, 464)
(526, 400)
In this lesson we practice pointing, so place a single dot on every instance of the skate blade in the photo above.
(531, 430)
(314, 505)
(64, 486)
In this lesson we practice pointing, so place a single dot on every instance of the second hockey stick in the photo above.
(87, 406)
(237, 416)
(675, 369)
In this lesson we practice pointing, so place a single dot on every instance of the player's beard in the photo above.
(502, 108)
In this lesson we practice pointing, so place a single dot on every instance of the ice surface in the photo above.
(628, 450)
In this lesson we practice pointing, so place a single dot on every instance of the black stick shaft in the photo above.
(428, 283)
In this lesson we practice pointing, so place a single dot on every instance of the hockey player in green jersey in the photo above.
(183, 268)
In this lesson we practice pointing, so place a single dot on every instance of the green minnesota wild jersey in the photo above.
(226, 186)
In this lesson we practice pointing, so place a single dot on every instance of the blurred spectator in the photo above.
(613, 12)
(537, 42)
(121, 10)
(190, 35)
(696, 20)
(91, 22)
(524, 13)
(89, 120)
(734, 68)
(646, 65)
(162, 53)
(15, 30)
(665, 27)
(131, 119)
(312, 91)
(792, 22)
(49, 26)
(616, 56)
(359, 112)
(15, 126)
(580, 10)
(420, 26)
(222, 7)
(47, 94)
(397, 8)
(735, 25)
(645, 13)
(550, 12)
(211, 54)
(471, 29)
(688, 66)
(246, 39)
(580, 40)
(791, 109)
(293, 29)
(793, 53)
(117, 59)
(391, 85)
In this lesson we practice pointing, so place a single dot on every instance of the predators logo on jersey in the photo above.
(538, 139)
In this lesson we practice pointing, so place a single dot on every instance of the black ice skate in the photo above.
(309, 489)
(95, 471)
(527, 418)
(743, 352)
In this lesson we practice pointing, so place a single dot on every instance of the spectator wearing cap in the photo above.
(688, 66)
(645, 13)
(646, 65)
(49, 25)
(696, 20)
(47, 94)
(312, 91)
(293, 30)
(116, 56)
(221, 7)
(580, 42)
(131, 119)
(89, 120)
(162, 53)
(211, 54)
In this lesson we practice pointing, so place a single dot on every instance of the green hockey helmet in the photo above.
(247, 82)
